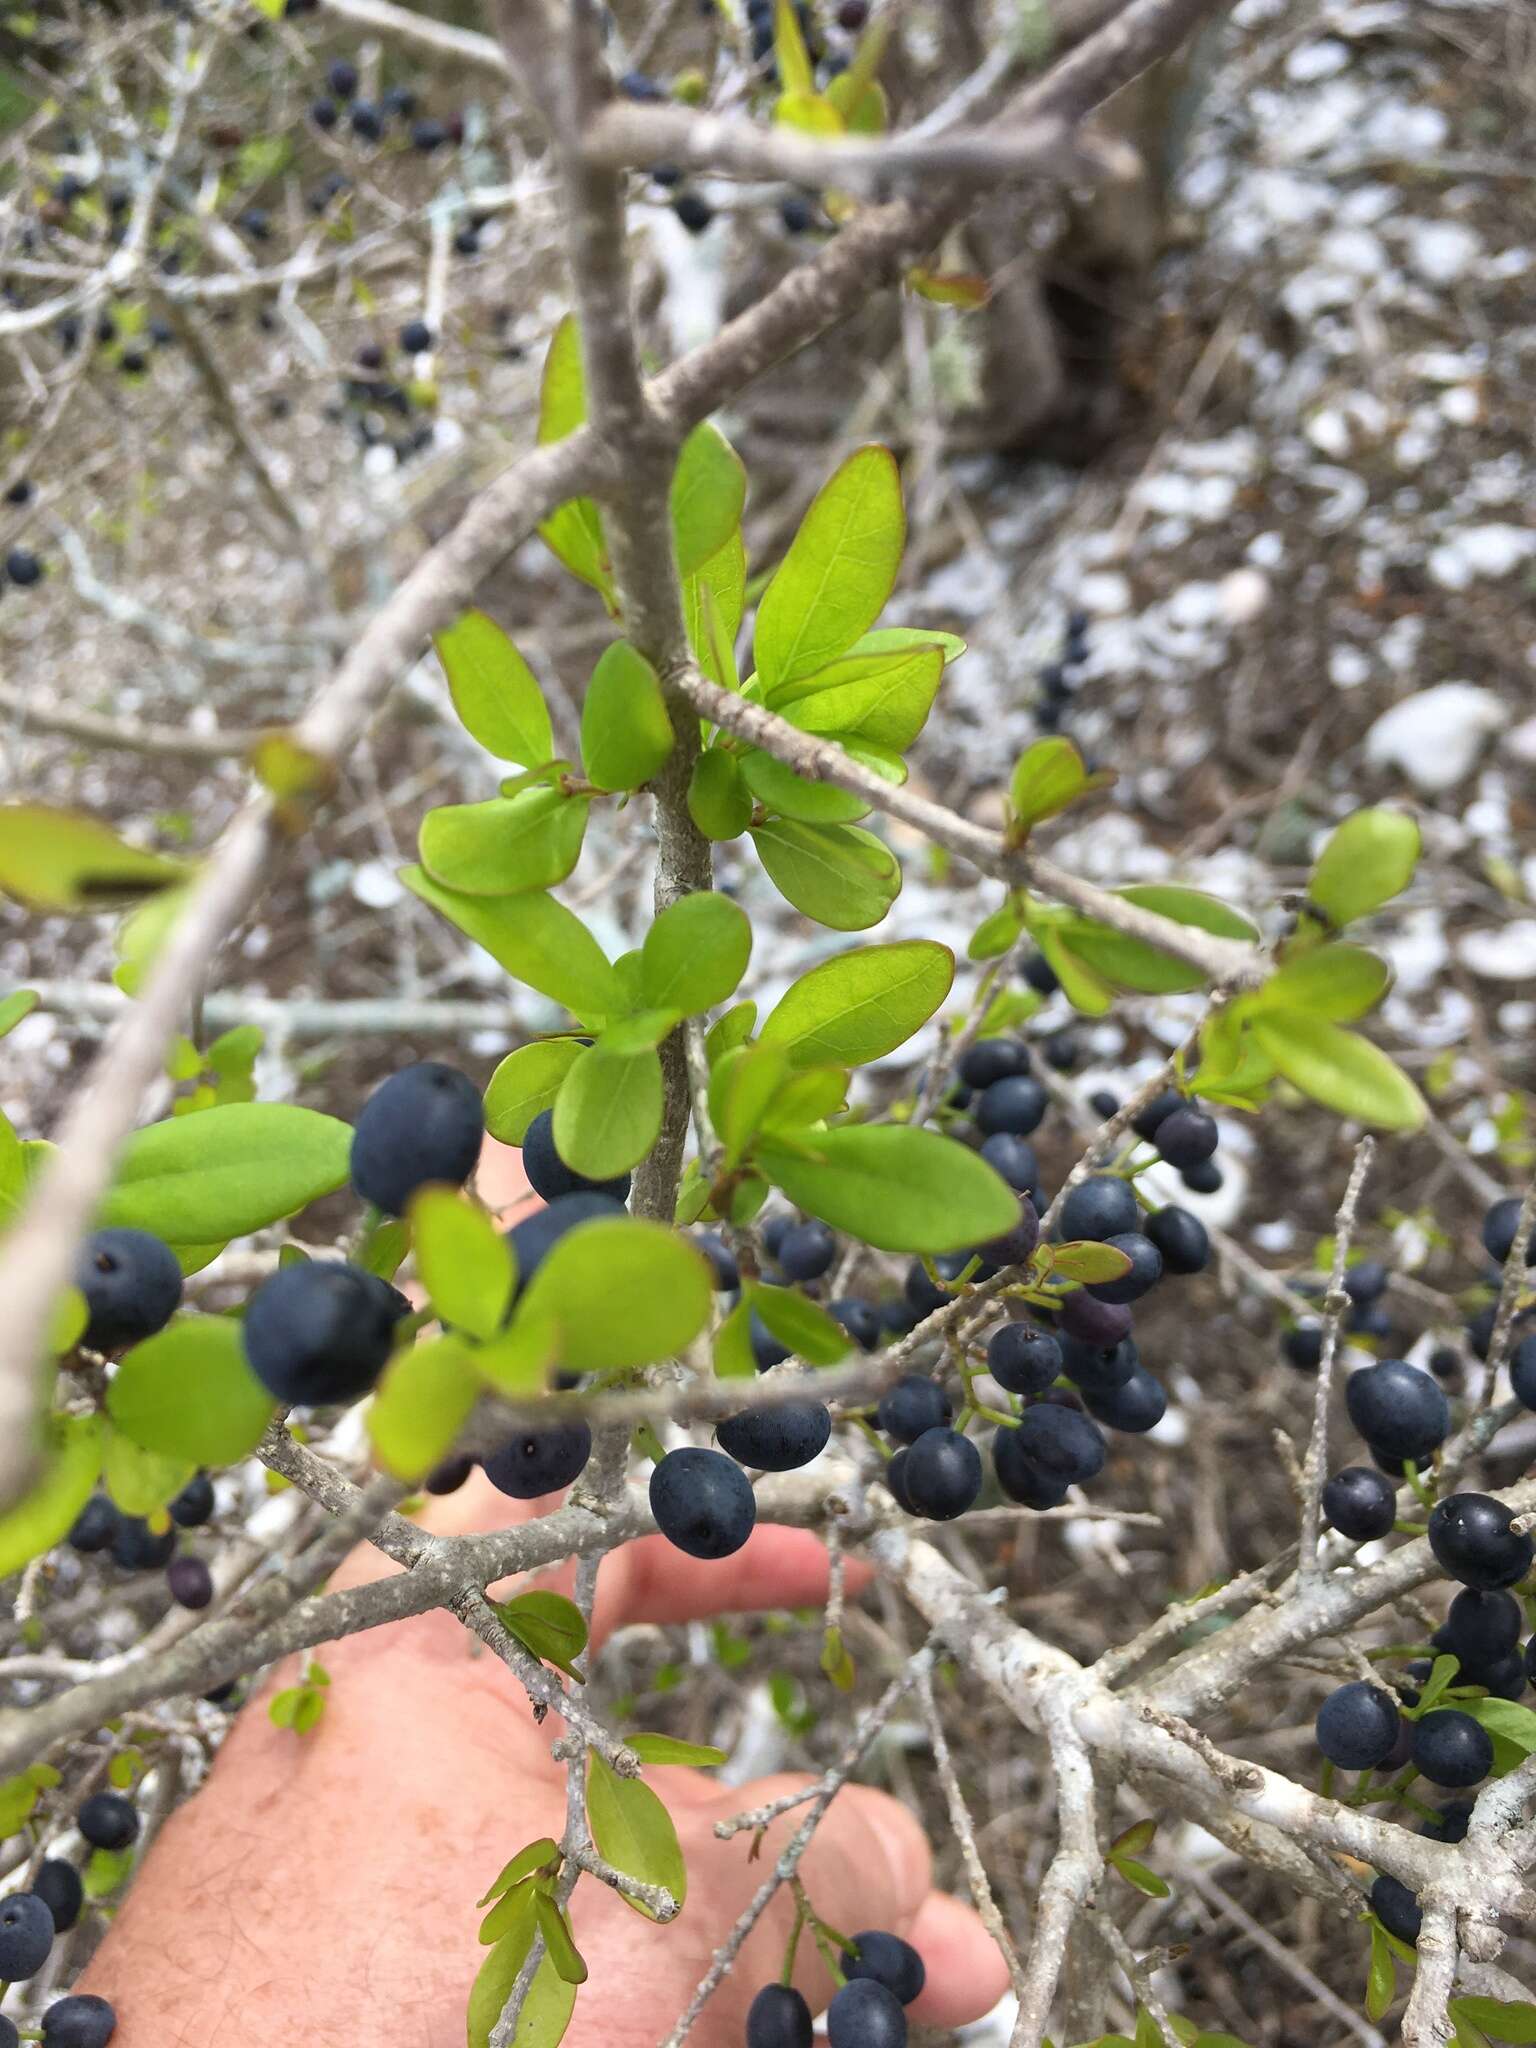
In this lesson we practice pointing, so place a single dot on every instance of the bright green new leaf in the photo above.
(68, 1464)
(1138, 1875)
(898, 1189)
(861, 1005)
(742, 1088)
(21, 1002)
(227, 1171)
(537, 940)
(61, 860)
(1339, 981)
(891, 639)
(695, 953)
(573, 533)
(709, 490)
(790, 54)
(511, 1914)
(383, 1250)
(526, 1082)
(1047, 777)
(547, 1625)
(494, 691)
(811, 112)
(719, 802)
(138, 1480)
(781, 790)
(1132, 963)
(624, 1291)
(507, 845)
(188, 1392)
(423, 1401)
(996, 933)
(639, 1033)
(840, 875)
(463, 1259)
(803, 1328)
(838, 573)
(732, 1347)
(558, 1945)
(731, 1030)
(1339, 1069)
(634, 1832)
(1381, 1980)
(626, 734)
(608, 1112)
(519, 1362)
(884, 697)
(1367, 861)
(809, 1096)
(713, 603)
(527, 1862)
(1084, 988)
(671, 1749)
(1087, 1261)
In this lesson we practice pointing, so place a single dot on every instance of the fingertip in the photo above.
(966, 1971)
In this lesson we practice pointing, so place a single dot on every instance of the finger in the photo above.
(500, 1181)
(652, 1581)
(966, 1971)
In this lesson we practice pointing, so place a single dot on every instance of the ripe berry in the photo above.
(132, 1287)
(59, 1887)
(370, 356)
(1451, 1749)
(1022, 1358)
(797, 214)
(777, 1439)
(1399, 1410)
(852, 15)
(1021, 1480)
(911, 1408)
(190, 1582)
(1014, 1158)
(1186, 1137)
(1470, 1536)
(1451, 1826)
(366, 120)
(1357, 1726)
(429, 135)
(1145, 1122)
(887, 1959)
(1014, 1246)
(1522, 1371)
(1303, 1346)
(942, 1474)
(1134, 1407)
(536, 1236)
(18, 493)
(79, 2021)
(923, 1294)
(23, 568)
(548, 1174)
(193, 1506)
(342, 78)
(320, 1332)
(703, 1502)
(1064, 1445)
(108, 1821)
(1100, 1323)
(324, 113)
(694, 211)
(1101, 1206)
(9, 2038)
(1099, 1367)
(1370, 1319)
(415, 337)
(992, 1059)
(540, 1461)
(1396, 1908)
(1015, 1105)
(865, 2015)
(1145, 1272)
(1181, 1238)
(94, 1526)
(1204, 1179)
(1062, 1051)
(895, 1477)
(1530, 1660)
(136, 1548)
(423, 1124)
(1103, 1104)
(1040, 974)
(449, 1476)
(778, 2018)
(767, 1351)
(1482, 1627)
(1366, 1281)
(1360, 1504)
(1499, 1227)
(726, 1274)
(26, 1935)
(861, 1319)
(806, 1251)
(1505, 1680)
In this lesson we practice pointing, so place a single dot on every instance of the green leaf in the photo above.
(808, 1331)
(719, 802)
(138, 1480)
(884, 697)
(537, 940)
(227, 1171)
(625, 1292)
(188, 1392)
(1442, 1674)
(60, 860)
(709, 491)
(860, 1005)
(518, 1362)
(1381, 1981)
(463, 1259)
(558, 1945)
(608, 1112)
(513, 1914)
(536, 1856)
(840, 875)
(1368, 860)
(892, 639)
(1505, 2019)
(838, 573)
(790, 54)
(810, 1096)
(573, 533)
(731, 1349)
(695, 953)
(633, 1831)
(1087, 1261)
(742, 1089)
(996, 933)
(733, 1029)
(546, 2010)
(671, 1749)
(1083, 987)
(1047, 777)
(1135, 1840)
(494, 691)
(713, 603)
(423, 1401)
(69, 1462)
(526, 1082)
(21, 1002)
(1506, 1720)
(626, 734)
(897, 1189)
(1132, 963)
(778, 788)
(1338, 981)
(1339, 1069)
(642, 1032)
(505, 846)
(547, 1625)
(1138, 1875)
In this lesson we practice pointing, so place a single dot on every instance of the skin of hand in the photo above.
(318, 1891)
